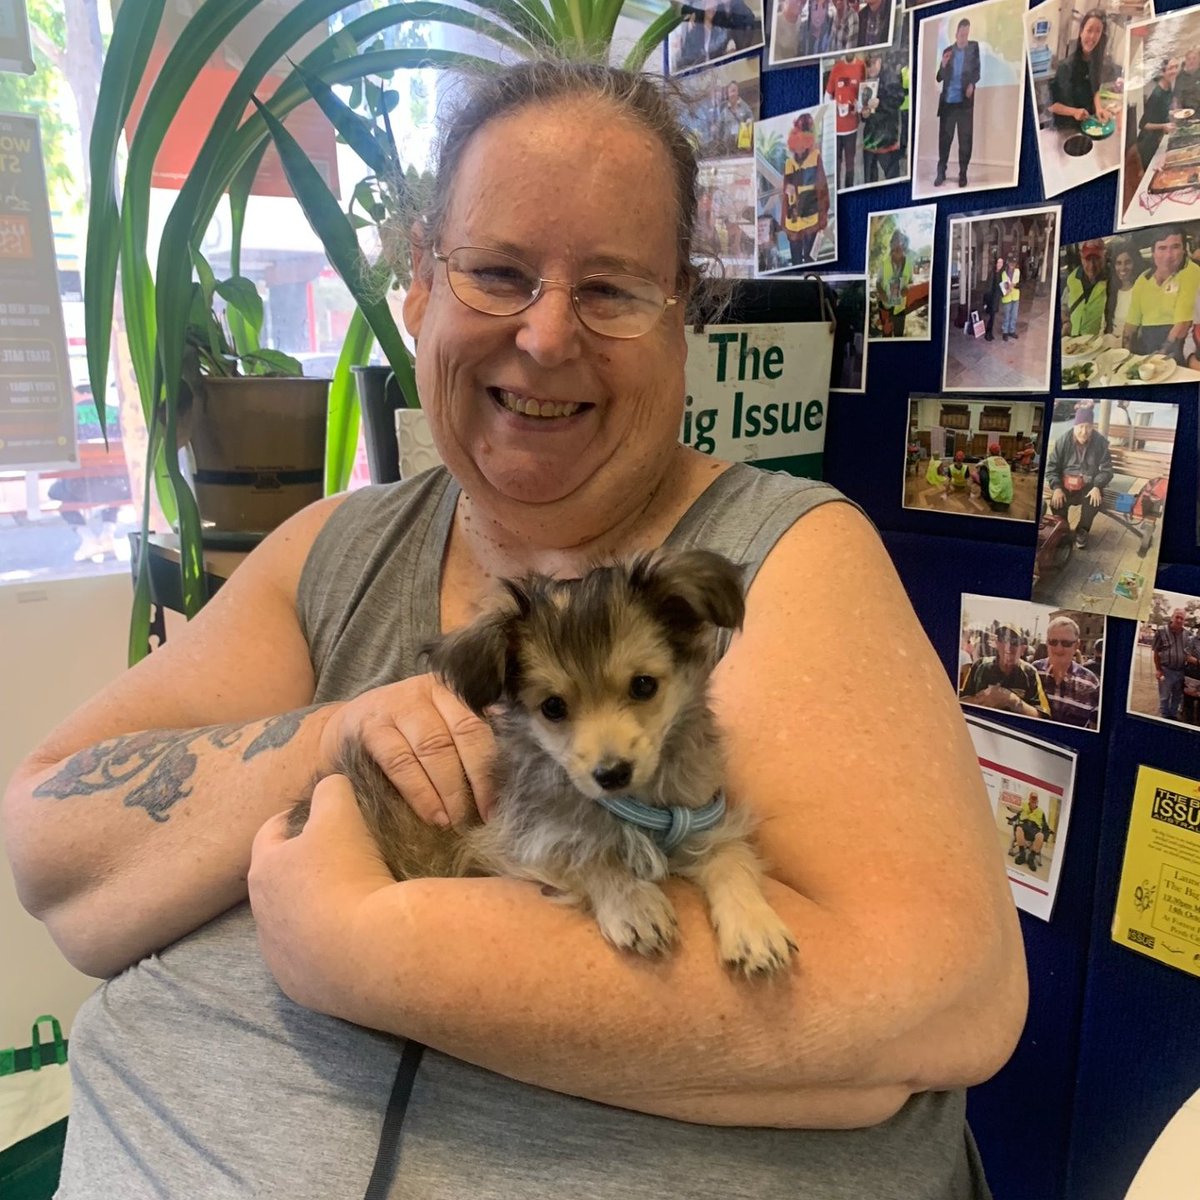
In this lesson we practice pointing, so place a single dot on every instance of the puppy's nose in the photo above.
(616, 773)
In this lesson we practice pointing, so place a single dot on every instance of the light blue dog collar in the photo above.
(668, 826)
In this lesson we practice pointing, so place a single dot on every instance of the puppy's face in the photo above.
(600, 668)
(601, 700)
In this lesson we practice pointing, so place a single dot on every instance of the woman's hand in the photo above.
(306, 893)
(434, 749)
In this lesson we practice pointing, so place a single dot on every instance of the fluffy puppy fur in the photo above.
(596, 686)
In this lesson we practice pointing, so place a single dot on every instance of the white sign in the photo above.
(758, 393)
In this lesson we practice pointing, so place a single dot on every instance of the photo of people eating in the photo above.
(1076, 68)
(1128, 308)
(1160, 169)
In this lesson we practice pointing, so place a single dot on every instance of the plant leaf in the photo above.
(241, 296)
(341, 432)
(134, 31)
(359, 133)
(341, 245)
(272, 362)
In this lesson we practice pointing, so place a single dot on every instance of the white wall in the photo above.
(60, 642)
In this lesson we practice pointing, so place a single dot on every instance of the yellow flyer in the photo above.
(1158, 902)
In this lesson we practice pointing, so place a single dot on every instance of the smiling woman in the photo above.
(269, 1035)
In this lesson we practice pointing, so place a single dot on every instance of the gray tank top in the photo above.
(196, 1079)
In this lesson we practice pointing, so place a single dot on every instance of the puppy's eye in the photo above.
(554, 708)
(643, 687)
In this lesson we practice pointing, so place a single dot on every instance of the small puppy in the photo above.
(608, 766)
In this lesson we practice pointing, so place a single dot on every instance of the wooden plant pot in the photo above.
(258, 447)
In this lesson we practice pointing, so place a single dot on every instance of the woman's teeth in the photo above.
(535, 408)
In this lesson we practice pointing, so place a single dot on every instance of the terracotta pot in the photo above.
(258, 446)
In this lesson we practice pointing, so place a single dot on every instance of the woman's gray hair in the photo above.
(485, 95)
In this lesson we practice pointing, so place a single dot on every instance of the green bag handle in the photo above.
(35, 1049)
(34, 1056)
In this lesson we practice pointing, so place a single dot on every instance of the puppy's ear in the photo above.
(475, 662)
(691, 588)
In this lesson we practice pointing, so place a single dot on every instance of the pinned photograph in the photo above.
(1160, 168)
(869, 90)
(970, 98)
(714, 30)
(1076, 70)
(797, 189)
(973, 458)
(1031, 660)
(725, 225)
(847, 295)
(1108, 463)
(900, 272)
(808, 29)
(1000, 315)
(1030, 784)
(1127, 310)
(1164, 675)
(721, 106)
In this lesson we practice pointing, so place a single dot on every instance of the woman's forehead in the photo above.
(568, 172)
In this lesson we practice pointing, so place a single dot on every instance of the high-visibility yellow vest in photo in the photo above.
(800, 191)
(959, 475)
(1014, 292)
(894, 283)
(1000, 485)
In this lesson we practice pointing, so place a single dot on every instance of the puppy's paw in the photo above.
(641, 920)
(757, 944)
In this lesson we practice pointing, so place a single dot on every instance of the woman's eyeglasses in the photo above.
(612, 305)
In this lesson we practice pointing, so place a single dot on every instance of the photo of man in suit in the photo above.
(958, 73)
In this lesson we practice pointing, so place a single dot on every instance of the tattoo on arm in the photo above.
(278, 731)
(162, 757)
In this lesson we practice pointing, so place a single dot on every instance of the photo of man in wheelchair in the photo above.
(1031, 830)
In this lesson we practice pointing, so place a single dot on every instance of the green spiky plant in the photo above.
(157, 301)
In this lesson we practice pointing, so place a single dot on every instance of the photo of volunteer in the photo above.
(796, 213)
(720, 107)
(1000, 301)
(1128, 296)
(1164, 677)
(970, 97)
(712, 30)
(1108, 470)
(899, 271)
(807, 29)
(1031, 660)
(1160, 169)
(973, 458)
(1076, 66)
(869, 92)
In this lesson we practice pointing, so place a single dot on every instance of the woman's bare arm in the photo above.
(131, 824)
(844, 735)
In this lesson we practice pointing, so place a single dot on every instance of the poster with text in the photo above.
(16, 54)
(37, 415)
(1158, 900)
(1030, 784)
(757, 393)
